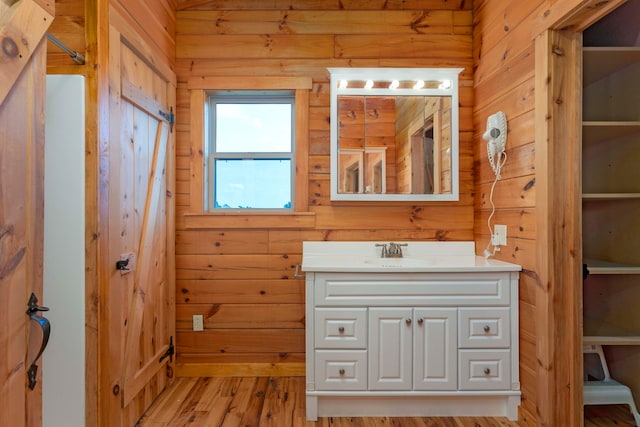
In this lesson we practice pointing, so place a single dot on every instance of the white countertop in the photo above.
(417, 257)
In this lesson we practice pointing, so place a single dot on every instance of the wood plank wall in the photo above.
(503, 55)
(253, 306)
(68, 27)
(241, 278)
(154, 21)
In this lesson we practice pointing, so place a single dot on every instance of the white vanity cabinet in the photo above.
(394, 339)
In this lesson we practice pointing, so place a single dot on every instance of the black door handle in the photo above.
(32, 312)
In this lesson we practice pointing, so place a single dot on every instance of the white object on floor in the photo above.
(608, 391)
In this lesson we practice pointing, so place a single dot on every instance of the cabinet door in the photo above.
(390, 344)
(435, 349)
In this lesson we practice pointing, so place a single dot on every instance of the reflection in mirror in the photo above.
(350, 176)
(394, 138)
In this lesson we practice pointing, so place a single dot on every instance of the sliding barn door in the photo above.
(140, 312)
(22, 98)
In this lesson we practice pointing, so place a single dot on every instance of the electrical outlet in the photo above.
(198, 322)
(500, 235)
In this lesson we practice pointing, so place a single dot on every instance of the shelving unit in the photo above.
(611, 218)
(602, 61)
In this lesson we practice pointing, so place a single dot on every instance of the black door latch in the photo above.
(169, 353)
(122, 265)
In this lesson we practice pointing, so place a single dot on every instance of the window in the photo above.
(250, 154)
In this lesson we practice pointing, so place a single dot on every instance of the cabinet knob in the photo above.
(341, 329)
(408, 321)
(420, 321)
(487, 328)
(341, 372)
(487, 371)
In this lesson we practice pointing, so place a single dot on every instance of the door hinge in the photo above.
(169, 353)
(169, 117)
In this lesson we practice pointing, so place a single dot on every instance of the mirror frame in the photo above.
(401, 74)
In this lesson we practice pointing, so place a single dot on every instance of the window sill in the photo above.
(273, 220)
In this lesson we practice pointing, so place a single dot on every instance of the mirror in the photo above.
(394, 134)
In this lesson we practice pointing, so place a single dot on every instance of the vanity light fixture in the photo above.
(407, 84)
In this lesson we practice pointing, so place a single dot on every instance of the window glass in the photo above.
(257, 128)
(250, 150)
(257, 184)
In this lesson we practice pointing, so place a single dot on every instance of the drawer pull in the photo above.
(341, 372)
(420, 321)
(487, 371)
(408, 321)
(487, 328)
(341, 329)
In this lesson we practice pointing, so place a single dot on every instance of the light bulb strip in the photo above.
(393, 84)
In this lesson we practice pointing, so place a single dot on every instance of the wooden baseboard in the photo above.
(240, 369)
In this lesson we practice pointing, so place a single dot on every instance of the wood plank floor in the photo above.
(264, 402)
(280, 402)
(608, 416)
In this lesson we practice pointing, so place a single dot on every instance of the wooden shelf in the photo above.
(599, 62)
(604, 334)
(611, 340)
(610, 202)
(597, 266)
(610, 196)
(605, 130)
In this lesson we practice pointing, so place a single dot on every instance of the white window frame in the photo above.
(247, 97)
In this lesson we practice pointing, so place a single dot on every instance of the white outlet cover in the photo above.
(198, 322)
(500, 231)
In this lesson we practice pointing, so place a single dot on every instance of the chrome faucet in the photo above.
(393, 250)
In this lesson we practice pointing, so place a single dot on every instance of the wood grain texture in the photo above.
(242, 316)
(539, 99)
(153, 22)
(21, 230)
(325, 22)
(607, 415)
(503, 81)
(231, 265)
(136, 182)
(21, 28)
(96, 205)
(195, 149)
(240, 291)
(316, 4)
(269, 401)
(255, 46)
(559, 299)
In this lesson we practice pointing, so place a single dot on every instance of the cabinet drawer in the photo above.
(484, 327)
(341, 370)
(484, 369)
(415, 289)
(341, 328)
